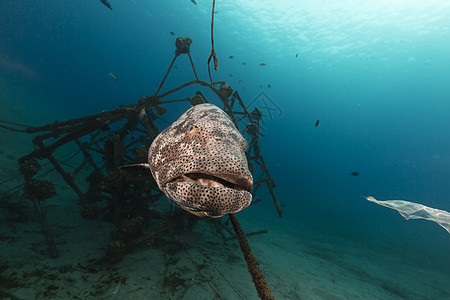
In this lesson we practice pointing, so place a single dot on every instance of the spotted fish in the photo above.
(199, 162)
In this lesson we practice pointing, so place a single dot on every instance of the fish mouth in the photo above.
(207, 195)
(234, 182)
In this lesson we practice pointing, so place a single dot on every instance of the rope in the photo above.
(259, 280)
(213, 52)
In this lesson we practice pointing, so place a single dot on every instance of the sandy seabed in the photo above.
(297, 265)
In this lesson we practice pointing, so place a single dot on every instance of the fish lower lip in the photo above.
(208, 180)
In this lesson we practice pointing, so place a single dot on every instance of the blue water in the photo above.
(375, 73)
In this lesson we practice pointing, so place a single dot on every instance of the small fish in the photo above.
(239, 81)
(106, 3)
(231, 75)
(260, 86)
(193, 1)
(268, 86)
(231, 57)
(317, 123)
(172, 33)
(296, 55)
(243, 88)
(262, 64)
(113, 76)
(354, 173)
(244, 63)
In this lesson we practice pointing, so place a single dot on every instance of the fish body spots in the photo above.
(199, 162)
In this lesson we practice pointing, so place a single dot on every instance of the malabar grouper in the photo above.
(199, 162)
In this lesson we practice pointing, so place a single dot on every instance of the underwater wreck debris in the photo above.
(38, 190)
(411, 210)
(225, 90)
(89, 211)
(106, 140)
(29, 168)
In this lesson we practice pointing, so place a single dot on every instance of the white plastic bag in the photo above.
(411, 210)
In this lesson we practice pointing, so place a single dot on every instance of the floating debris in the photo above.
(268, 86)
(260, 86)
(239, 81)
(411, 210)
(244, 63)
(172, 33)
(231, 56)
(193, 1)
(317, 123)
(354, 173)
(296, 55)
(262, 64)
(113, 76)
(231, 75)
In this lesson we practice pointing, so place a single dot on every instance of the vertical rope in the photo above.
(259, 280)
(213, 52)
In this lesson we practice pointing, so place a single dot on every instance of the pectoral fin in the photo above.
(137, 169)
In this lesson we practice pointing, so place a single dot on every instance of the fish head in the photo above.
(199, 162)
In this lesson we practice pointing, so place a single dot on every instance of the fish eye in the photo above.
(192, 130)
